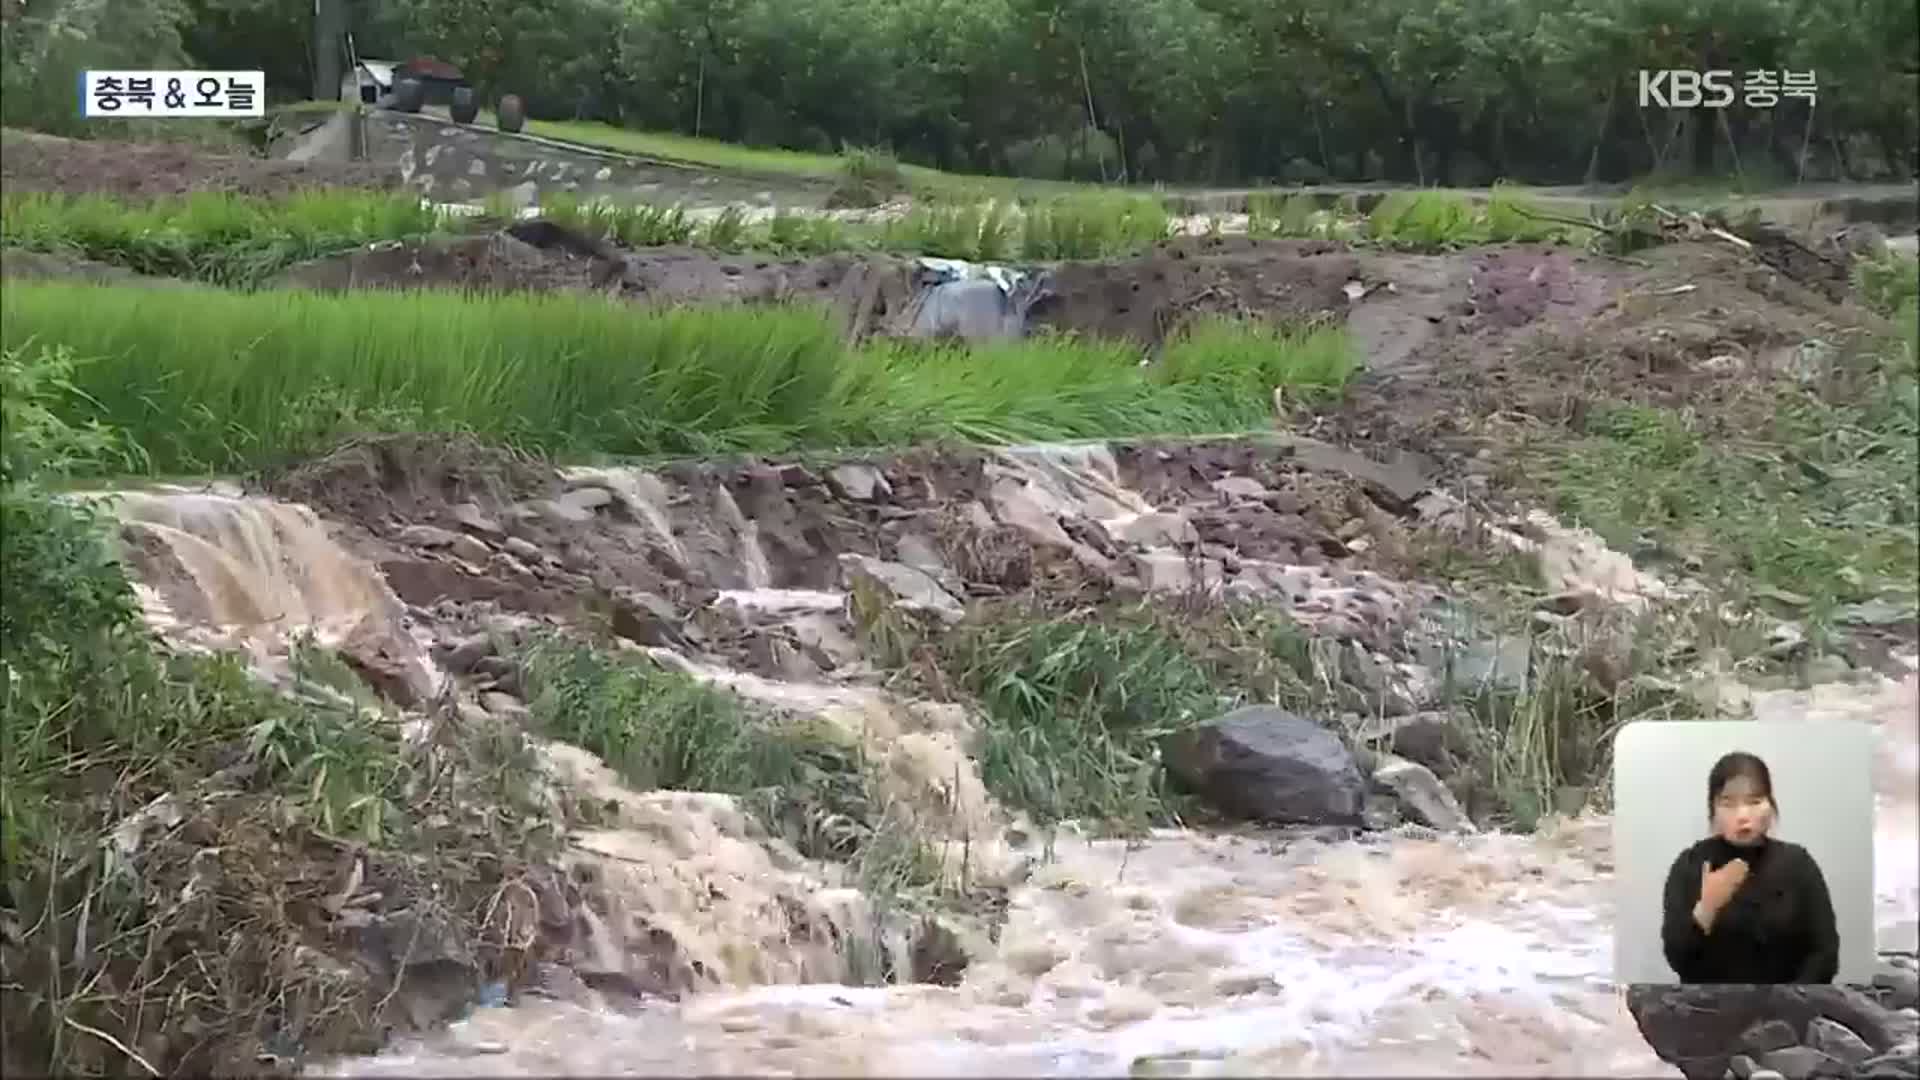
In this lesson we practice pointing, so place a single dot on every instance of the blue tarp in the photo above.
(972, 301)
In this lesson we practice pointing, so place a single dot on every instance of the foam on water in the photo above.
(1239, 953)
(1200, 955)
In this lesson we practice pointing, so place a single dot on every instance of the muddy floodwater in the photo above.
(1199, 955)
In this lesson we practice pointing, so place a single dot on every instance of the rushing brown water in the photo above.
(1193, 954)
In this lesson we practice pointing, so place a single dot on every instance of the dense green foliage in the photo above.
(97, 724)
(1176, 90)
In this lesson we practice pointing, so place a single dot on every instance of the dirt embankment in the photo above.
(1538, 337)
(1140, 299)
(47, 163)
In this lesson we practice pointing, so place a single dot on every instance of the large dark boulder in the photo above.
(1266, 764)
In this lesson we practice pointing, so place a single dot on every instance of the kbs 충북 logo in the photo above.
(1679, 89)
(125, 95)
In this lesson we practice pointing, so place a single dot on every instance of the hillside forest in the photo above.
(1453, 92)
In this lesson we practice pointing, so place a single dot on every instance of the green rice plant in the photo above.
(980, 232)
(729, 231)
(1229, 357)
(790, 233)
(1093, 226)
(226, 239)
(1426, 221)
(635, 226)
(1511, 219)
(204, 379)
(1295, 215)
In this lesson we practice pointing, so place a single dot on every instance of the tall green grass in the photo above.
(225, 239)
(212, 380)
(243, 240)
(1424, 221)
(1085, 226)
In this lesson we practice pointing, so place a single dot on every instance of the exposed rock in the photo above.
(1700, 1029)
(1899, 988)
(1155, 530)
(1376, 685)
(1768, 1036)
(390, 663)
(467, 652)
(1801, 1063)
(1396, 486)
(1165, 572)
(646, 618)
(1421, 794)
(921, 553)
(1265, 763)
(470, 517)
(1835, 1041)
(912, 590)
(860, 483)
(564, 511)
(587, 498)
(1241, 487)
(471, 549)
(1380, 812)
(525, 550)
(427, 536)
(1431, 739)
(504, 705)
(1014, 504)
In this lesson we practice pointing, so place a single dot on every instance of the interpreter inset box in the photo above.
(1743, 852)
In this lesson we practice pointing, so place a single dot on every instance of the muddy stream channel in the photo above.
(1304, 952)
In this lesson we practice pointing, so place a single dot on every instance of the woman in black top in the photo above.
(1742, 907)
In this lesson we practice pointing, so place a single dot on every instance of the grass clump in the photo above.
(1092, 226)
(1815, 500)
(177, 831)
(203, 380)
(224, 239)
(661, 730)
(1422, 221)
(868, 177)
(1298, 216)
(1441, 221)
(1074, 713)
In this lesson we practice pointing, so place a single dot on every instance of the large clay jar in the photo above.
(466, 105)
(513, 113)
(409, 95)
